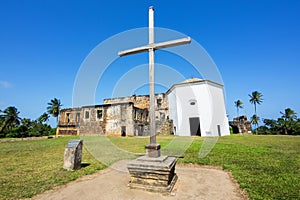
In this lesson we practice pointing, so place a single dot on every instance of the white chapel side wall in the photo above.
(173, 110)
(205, 101)
(219, 111)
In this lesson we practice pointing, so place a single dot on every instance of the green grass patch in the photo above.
(31, 167)
(267, 167)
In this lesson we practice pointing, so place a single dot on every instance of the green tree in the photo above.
(255, 120)
(26, 122)
(43, 118)
(256, 98)
(11, 118)
(288, 121)
(287, 124)
(289, 115)
(239, 105)
(54, 107)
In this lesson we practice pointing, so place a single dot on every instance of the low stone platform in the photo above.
(153, 174)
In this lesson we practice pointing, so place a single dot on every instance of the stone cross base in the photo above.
(153, 174)
(153, 150)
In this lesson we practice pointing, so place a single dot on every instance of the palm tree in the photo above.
(11, 117)
(288, 120)
(254, 120)
(256, 98)
(26, 122)
(54, 108)
(239, 105)
(43, 118)
(289, 115)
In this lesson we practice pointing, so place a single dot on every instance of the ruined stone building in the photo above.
(124, 116)
(193, 107)
(241, 125)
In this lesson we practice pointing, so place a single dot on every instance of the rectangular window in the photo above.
(68, 117)
(87, 115)
(77, 117)
(99, 114)
(159, 102)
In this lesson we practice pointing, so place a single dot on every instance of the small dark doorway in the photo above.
(219, 130)
(195, 126)
(123, 131)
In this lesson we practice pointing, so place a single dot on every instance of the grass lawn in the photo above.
(267, 167)
(30, 167)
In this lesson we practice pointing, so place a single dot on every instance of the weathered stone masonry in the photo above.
(125, 116)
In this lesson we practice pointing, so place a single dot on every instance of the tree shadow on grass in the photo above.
(83, 165)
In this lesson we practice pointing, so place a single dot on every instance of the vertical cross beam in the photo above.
(151, 77)
(153, 149)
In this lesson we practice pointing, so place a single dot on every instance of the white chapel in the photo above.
(197, 107)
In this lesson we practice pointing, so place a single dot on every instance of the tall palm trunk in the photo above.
(3, 126)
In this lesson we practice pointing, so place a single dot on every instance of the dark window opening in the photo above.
(159, 102)
(193, 102)
(68, 117)
(99, 114)
(77, 117)
(87, 114)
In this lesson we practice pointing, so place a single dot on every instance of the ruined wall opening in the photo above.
(87, 115)
(77, 119)
(99, 114)
(68, 117)
(123, 131)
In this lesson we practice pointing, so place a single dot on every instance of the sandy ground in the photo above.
(194, 182)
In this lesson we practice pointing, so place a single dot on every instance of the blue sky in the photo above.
(255, 45)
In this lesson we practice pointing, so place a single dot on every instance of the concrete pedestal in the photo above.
(153, 174)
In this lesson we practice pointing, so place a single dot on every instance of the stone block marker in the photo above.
(153, 174)
(73, 155)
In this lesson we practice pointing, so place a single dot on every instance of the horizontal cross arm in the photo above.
(154, 46)
(172, 43)
(134, 50)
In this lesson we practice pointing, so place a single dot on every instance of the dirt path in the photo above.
(194, 182)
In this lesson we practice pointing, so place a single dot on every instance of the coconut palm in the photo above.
(288, 121)
(11, 117)
(289, 115)
(239, 105)
(54, 108)
(26, 122)
(255, 120)
(43, 118)
(256, 98)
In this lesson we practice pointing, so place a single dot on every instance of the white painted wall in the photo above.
(209, 107)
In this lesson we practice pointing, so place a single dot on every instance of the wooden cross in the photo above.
(151, 47)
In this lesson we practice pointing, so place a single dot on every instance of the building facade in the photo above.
(193, 107)
(124, 116)
(197, 107)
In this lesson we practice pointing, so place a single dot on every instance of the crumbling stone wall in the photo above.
(241, 125)
(142, 102)
(126, 116)
(113, 119)
(67, 124)
(91, 122)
